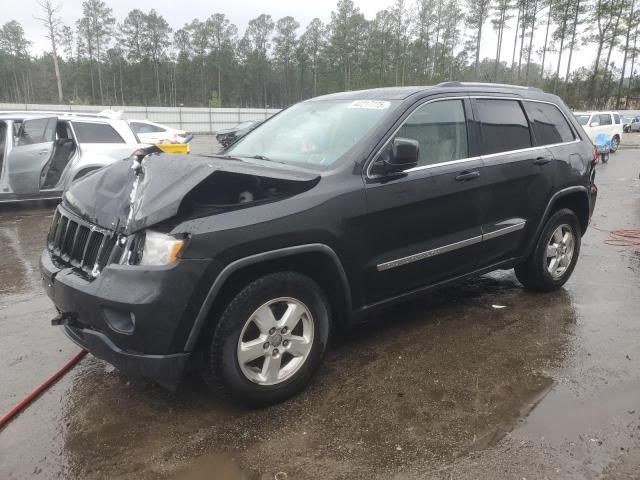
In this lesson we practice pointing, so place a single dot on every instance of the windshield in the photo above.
(316, 132)
(582, 119)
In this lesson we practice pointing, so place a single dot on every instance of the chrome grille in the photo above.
(79, 244)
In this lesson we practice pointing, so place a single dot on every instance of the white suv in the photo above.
(608, 123)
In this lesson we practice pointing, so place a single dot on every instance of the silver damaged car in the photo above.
(41, 153)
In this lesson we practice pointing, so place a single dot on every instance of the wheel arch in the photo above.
(318, 261)
(576, 201)
(574, 198)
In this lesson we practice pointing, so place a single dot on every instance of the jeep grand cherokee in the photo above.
(240, 265)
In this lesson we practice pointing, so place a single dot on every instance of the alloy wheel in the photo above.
(560, 251)
(275, 341)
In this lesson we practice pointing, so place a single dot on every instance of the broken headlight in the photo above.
(159, 249)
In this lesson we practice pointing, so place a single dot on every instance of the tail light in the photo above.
(594, 156)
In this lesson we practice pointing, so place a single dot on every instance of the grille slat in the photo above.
(79, 244)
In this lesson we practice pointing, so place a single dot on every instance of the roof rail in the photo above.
(485, 84)
(53, 112)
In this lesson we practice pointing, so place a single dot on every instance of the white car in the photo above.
(608, 123)
(150, 132)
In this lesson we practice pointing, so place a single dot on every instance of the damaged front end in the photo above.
(122, 201)
(116, 273)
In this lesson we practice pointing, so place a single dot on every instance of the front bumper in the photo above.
(136, 318)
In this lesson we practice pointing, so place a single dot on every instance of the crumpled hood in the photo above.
(128, 196)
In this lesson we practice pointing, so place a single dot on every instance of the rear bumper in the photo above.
(135, 318)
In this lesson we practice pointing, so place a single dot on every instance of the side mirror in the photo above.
(594, 124)
(405, 153)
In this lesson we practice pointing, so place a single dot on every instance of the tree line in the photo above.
(142, 60)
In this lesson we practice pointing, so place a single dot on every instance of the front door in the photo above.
(32, 149)
(424, 227)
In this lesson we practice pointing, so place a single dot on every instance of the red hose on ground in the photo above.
(7, 417)
(622, 237)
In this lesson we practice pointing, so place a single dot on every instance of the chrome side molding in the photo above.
(381, 267)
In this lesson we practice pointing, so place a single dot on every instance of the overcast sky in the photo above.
(241, 11)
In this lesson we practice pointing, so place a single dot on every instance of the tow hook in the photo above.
(64, 318)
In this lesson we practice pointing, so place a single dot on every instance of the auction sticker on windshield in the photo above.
(370, 104)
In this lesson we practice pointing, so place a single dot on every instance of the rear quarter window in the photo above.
(548, 123)
(504, 126)
(616, 118)
(87, 132)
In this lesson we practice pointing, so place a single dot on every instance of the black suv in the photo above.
(241, 265)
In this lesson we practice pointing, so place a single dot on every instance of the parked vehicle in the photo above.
(245, 263)
(608, 123)
(41, 153)
(151, 132)
(633, 125)
(229, 136)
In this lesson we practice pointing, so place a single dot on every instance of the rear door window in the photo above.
(548, 123)
(87, 132)
(605, 119)
(504, 126)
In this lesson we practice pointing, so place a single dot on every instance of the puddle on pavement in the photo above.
(212, 467)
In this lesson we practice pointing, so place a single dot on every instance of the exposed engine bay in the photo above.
(150, 188)
(228, 190)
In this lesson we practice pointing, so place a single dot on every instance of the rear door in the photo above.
(33, 147)
(607, 124)
(517, 181)
(424, 227)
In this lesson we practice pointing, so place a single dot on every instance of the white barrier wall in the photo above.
(195, 120)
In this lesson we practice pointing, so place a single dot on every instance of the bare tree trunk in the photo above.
(100, 74)
(626, 50)
(515, 44)
(219, 85)
(524, 27)
(555, 82)
(533, 26)
(614, 32)
(633, 63)
(573, 41)
(546, 42)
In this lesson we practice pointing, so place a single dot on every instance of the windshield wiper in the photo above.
(259, 157)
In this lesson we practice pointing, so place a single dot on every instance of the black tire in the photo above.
(615, 143)
(533, 272)
(222, 370)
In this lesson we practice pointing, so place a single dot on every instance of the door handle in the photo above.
(466, 175)
(541, 161)
(43, 152)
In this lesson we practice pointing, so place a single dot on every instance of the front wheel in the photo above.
(269, 340)
(554, 257)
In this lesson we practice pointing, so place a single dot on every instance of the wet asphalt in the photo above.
(481, 380)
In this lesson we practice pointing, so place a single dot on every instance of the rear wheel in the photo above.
(615, 143)
(270, 340)
(554, 257)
